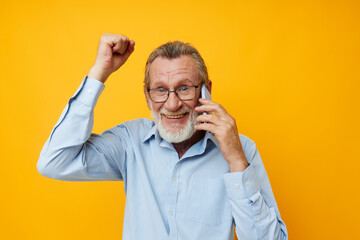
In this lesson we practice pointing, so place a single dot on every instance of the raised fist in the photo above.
(113, 51)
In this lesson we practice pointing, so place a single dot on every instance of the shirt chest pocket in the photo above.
(208, 203)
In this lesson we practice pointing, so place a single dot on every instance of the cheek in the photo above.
(193, 105)
(156, 107)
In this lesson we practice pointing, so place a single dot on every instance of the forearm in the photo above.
(254, 207)
(239, 163)
(98, 74)
(68, 150)
(254, 217)
(70, 153)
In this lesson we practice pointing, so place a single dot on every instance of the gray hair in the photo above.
(172, 50)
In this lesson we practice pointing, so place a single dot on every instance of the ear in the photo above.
(147, 99)
(209, 86)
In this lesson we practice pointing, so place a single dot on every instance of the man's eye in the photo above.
(161, 90)
(183, 89)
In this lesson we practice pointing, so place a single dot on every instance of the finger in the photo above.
(128, 52)
(204, 108)
(124, 45)
(221, 129)
(210, 106)
(119, 44)
(209, 119)
(219, 111)
(206, 127)
(115, 46)
(130, 48)
(206, 101)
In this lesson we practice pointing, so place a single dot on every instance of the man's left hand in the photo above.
(223, 126)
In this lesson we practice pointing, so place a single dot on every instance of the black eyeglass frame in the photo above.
(174, 91)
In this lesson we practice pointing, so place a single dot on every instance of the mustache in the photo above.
(180, 112)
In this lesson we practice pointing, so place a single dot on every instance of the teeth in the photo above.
(174, 116)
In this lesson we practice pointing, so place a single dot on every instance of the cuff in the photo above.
(241, 185)
(89, 92)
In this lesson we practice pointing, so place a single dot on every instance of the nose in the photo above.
(173, 103)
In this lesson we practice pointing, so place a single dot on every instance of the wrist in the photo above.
(238, 162)
(97, 74)
(238, 166)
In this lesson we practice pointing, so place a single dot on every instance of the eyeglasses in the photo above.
(184, 93)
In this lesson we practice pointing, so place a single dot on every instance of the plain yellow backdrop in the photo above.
(288, 71)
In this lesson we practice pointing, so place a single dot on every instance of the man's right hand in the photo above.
(113, 51)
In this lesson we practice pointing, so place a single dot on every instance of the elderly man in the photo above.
(187, 175)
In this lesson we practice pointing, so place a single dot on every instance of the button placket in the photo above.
(173, 194)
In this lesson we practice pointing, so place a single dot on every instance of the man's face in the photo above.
(174, 118)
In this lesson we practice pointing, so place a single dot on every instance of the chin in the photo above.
(175, 133)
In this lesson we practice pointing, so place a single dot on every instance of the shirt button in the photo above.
(90, 91)
(257, 219)
(174, 178)
(247, 183)
(236, 186)
(171, 212)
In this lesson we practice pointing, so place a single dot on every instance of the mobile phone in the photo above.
(205, 93)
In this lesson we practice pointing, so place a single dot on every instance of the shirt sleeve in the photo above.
(255, 210)
(72, 153)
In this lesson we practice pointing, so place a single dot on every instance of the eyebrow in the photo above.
(180, 83)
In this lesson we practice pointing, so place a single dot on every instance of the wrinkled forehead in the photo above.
(173, 71)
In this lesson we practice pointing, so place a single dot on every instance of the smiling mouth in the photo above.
(175, 116)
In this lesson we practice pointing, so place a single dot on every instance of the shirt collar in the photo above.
(154, 132)
(209, 136)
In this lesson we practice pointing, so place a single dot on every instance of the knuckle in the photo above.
(102, 38)
(123, 38)
(105, 35)
(211, 128)
(228, 126)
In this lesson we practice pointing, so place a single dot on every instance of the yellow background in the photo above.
(288, 71)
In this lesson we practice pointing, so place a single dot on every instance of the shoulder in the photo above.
(246, 141)
(138, 124)
(134, 128)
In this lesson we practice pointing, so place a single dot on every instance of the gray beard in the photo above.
(179, 136)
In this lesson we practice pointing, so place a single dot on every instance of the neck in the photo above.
(182, 147)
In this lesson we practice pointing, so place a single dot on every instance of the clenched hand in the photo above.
(113, 51)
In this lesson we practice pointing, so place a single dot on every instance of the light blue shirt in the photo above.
(194, 197)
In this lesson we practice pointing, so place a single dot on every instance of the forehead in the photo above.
(173, 71)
